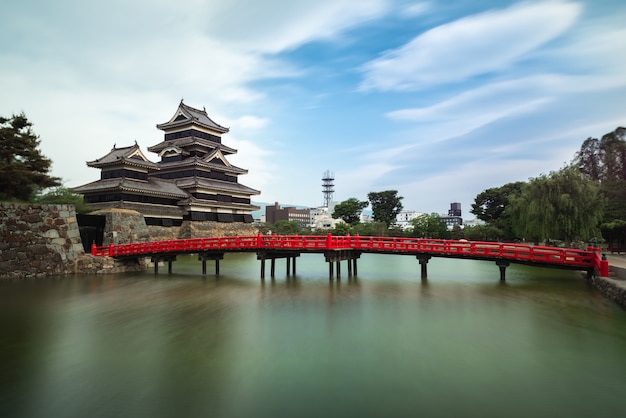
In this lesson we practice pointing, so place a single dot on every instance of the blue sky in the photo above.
(438, 100)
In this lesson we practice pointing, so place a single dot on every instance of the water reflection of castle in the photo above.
(193, 181)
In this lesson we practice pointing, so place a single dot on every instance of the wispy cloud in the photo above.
(275, 26)
(475, 45)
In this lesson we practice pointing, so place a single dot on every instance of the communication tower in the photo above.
(328, 187)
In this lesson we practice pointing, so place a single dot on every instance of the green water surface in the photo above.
(386, 344)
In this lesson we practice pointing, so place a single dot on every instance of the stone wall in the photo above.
(612, 288)
(123, 226)
(38, 240)
(198, 229)
(44, 240)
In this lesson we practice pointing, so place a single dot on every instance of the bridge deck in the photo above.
(567, 258)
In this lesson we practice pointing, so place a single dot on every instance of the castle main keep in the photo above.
(193, 181)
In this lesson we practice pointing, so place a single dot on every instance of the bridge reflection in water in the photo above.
(349, 248)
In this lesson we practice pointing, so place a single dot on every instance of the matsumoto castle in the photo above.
(193, 180)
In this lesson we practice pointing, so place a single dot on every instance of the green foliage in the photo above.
(286, 228)
(385, 206)
(341, 228)
(23, 168)
(429, 226)
(605, 159)
(614, 232)
(614, 191)
(491, 206)
(376, 229)
(483, 233)
(63, 195)
(457, 232)
(349, 210)
(562, 205)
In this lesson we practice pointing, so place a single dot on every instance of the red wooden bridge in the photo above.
(349, 248)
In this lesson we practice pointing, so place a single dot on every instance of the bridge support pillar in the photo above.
(335, 257)
(502, 264)
(272, 256)
(423, 259)
(211, 256)
(156, 259)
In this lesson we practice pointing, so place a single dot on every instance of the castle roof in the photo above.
(123, 156)
(152, 186)
(188, 183)
(214, 161)
(190, 141)
(187, 115)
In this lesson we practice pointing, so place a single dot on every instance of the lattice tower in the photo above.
(328, 187)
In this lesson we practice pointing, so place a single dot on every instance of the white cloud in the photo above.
(416, 9)
(471, 46)
(275, 26)
(249, 122)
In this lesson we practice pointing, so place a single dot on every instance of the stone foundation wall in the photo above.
(38, 240)
(614, 289)
(201, 230)
(123, 226)
(44, 240)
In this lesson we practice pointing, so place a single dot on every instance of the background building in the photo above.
(404, 218)
(454, 216)
(275, 213)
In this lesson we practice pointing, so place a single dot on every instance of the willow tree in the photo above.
(564, 205)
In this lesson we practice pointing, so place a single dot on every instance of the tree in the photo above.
(605, 159)
(349, 210)
(63, 195)
(483, 233)
(369, 229)
(615, 233)
(286, 228)
(588, 159)
(457, 232)
(385, 206)
(429, 226)
(614, 191)
(491, 206)
(23, 168)
(562, 205)
(341, 228)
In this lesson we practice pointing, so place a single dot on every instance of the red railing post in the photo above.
(329, 242)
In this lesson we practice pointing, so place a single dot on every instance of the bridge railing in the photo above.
(522, 252)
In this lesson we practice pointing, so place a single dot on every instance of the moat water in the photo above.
(386, 344)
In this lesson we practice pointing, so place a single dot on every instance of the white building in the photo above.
(404, 218)
(321, 219)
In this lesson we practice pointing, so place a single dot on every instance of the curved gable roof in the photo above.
(187, 115)
(121, 156)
